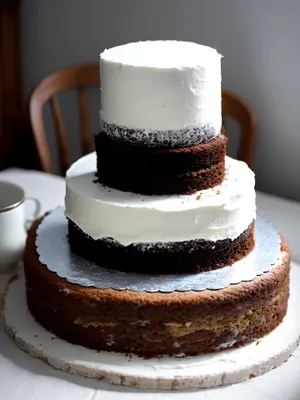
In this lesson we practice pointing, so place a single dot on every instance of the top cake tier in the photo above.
(161, 93)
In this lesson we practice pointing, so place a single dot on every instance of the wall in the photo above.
(259, 41)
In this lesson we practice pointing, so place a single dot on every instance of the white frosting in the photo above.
(213, 214)
(161, 86)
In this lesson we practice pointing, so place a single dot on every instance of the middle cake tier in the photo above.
(160, 234)
(159, 170)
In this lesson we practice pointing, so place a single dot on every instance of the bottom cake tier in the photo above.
(154, 324)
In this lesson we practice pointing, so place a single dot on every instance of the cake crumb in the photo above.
(198, 197)
(251, 376)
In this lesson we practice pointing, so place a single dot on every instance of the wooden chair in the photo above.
(88, 75)
(234, 107)
(78, 77)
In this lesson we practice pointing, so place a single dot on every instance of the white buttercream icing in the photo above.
(161, 86)
(224, 211)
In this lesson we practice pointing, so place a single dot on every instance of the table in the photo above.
(24, 378)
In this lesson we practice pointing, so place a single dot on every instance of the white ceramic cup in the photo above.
(13, 223)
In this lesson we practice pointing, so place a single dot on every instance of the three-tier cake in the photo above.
(160, 197)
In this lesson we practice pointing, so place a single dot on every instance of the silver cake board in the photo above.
(53, 231)
(205, 371)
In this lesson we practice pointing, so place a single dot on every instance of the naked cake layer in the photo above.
(161, 258)
(152, 170)
(153, 324)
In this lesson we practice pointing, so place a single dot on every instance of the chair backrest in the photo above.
(78, 77)
(234, 107)
(87, 75)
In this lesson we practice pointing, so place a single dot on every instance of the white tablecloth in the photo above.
(23, 378)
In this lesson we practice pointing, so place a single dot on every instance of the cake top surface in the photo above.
(161, 54)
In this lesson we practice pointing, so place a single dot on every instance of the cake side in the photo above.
(153, 170)
(161, 234)
(161, 93)
(152, 324)
(191, 256)
(219, 213)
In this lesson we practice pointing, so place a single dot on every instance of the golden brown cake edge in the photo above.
(152, 324)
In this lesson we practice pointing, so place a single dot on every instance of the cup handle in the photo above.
(36, 212)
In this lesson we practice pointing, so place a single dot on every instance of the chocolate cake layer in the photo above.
(153, 324)
(161, 258)
(152, 170)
